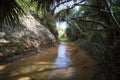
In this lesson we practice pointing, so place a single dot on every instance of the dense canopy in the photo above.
(97, 22)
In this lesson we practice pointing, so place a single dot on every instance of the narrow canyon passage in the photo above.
(65, 62)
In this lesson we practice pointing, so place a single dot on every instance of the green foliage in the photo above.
(116, 10)
(66, 40)
(27, 5)
(9, 11)
(44, 5)
(102, 42)
(98, 20)
(71, 32)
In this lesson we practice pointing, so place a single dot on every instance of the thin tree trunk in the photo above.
(111, 21)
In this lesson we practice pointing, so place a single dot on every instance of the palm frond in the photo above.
(9, 12)
(43, 5)
(10, 9)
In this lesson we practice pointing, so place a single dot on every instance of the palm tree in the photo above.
(9, 11)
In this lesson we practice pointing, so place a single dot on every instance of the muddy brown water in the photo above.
(65, 62)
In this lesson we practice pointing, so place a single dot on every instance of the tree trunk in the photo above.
(110, 20)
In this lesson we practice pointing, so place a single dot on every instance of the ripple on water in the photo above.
(63, 62)
(63, 59)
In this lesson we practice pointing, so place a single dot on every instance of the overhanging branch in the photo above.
(111, 14)
(90, 20)
(90, 5)
(80, 30)
(97, 29)
(59, 5)
(73, 6)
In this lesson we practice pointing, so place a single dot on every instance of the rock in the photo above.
(26, 36)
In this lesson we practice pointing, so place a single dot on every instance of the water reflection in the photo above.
(63, 59)
(70, 64)
(62, 62)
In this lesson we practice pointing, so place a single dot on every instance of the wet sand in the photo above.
(65, 62)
